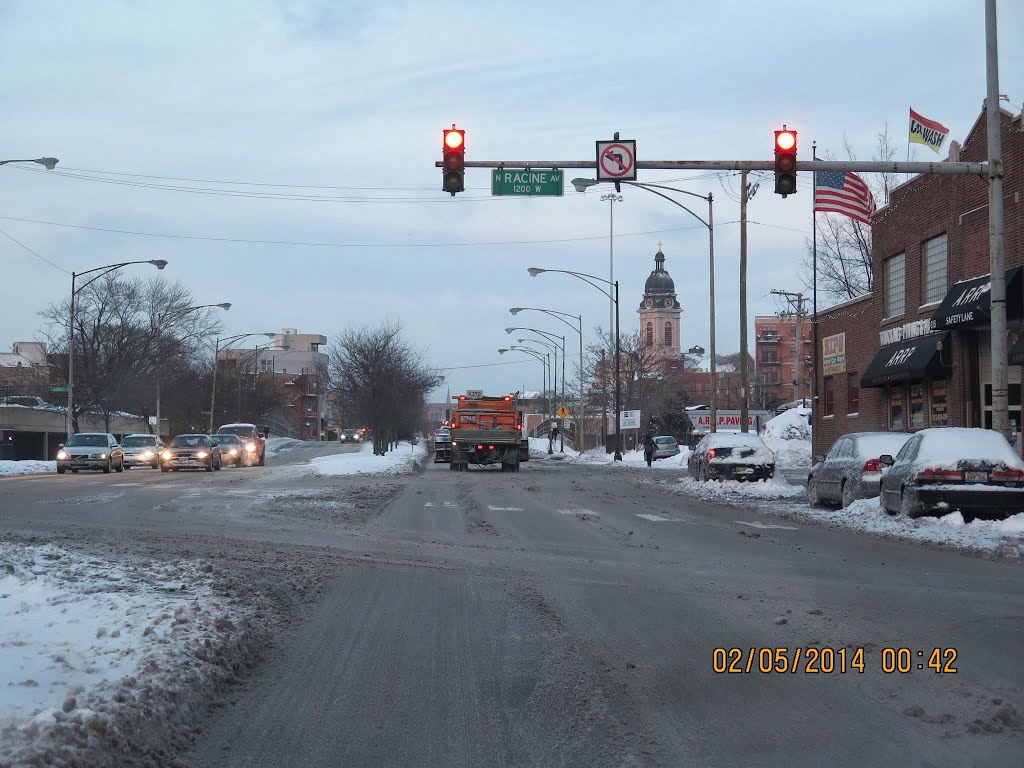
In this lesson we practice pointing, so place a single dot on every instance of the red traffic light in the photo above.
(785, 140)
(454, 138)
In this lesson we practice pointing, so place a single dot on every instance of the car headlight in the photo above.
(62, 455)
(166, 455)
(103, 455)
(233, 451)
(202, 455)
(250, 447)
(147, 454)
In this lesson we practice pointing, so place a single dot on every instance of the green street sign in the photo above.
(58, 389)
(517, 181)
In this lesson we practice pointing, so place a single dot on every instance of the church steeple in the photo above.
(660, 312)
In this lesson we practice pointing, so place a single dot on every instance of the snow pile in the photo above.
(277, 444)
(1006, 536)
(539, 449)
(789, 425)
(790, 453)
(91, 650)
(632, 459)
(726, 490)
(27, 467)
(403, 460)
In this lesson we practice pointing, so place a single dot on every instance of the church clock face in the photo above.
(649, 303)
(668, 302)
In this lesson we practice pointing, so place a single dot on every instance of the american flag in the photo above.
(845, 193)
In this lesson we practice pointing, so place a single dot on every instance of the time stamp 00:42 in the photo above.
(814, 660)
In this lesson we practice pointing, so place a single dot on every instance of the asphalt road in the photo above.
(569, 616)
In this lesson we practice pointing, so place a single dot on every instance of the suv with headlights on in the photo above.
(253, 442)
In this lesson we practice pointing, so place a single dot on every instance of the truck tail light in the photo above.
(490, 447)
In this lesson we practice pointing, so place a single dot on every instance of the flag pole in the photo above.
(814, 293)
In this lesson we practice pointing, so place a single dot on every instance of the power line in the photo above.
(486, 365)
(38, 256)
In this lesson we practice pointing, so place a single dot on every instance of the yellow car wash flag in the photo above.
(927, 132)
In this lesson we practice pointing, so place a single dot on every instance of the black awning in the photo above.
(909, 360)
(968, 302)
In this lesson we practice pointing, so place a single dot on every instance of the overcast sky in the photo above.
(316, 125)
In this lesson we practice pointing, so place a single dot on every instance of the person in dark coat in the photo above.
(649, 448)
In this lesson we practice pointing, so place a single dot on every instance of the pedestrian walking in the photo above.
(649, 448)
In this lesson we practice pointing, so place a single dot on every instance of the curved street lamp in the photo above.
(159, 320)
(534, 354)
(594, 282)
(581, 185)
(105, 270)
(216, 349)
(48, 162)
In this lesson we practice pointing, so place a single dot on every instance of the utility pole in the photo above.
(744, 373)
(795, 302)
(996, 235)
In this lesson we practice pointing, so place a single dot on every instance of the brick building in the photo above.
(915, 352)
(783, 372)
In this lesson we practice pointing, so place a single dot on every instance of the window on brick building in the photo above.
(668, 334)
(650, 334)
(770, 356)
(830, 396)
(853, 393)
(935, 257)
(895, 285)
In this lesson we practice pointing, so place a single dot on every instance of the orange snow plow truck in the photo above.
(487, 430)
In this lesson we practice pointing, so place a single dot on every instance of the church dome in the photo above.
(659, 281)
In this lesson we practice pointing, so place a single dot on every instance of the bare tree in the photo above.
(127, 333)
(844, 244)
(381, 381)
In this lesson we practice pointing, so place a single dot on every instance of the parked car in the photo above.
(944, 469)
(731, 456)
(443, 446)
(90, 450)
(852, 468)
(142, 451)
(191, 452)
(665, 446)
(350, 436)
(255, 441)
(232, 450)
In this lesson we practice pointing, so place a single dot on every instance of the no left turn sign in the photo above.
(616, 160)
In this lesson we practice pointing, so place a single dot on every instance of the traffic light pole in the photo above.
(864, 166)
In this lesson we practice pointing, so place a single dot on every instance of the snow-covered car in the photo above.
(90, 450)
(665, 446)
(191, 452)
(852, 468)
(142, 451)
(731, 456)
(944, 469)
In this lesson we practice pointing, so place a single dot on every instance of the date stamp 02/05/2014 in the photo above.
(815, 660)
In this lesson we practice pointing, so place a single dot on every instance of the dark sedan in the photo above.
(731, 456)
(191, 452)
(852, 468)
(945, 469)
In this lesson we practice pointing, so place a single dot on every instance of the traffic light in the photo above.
(785, 162)
(453, 148)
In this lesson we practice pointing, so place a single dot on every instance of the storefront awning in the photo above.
(910, 360)
(968, 302)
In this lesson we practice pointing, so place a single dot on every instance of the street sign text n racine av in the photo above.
(518, 181)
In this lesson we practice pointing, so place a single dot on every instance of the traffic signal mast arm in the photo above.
(863, 166)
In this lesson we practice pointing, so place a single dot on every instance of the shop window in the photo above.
(895, 285)
(668, 334)
(853, 393)
(917, 406)
(897, 418)
(830, 396)
(939, 415)
(650, 334)
(935, 251)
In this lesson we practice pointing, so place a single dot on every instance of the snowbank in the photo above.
(725, 490)
(790, 453)
(632, 459)
(277, 444)
(789, 425)
(93, 648)
(400, 461)
(539, 449)
(27, 467)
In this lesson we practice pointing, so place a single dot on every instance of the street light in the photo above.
(216, 349)
(612, 198)
(105, 270)
(48, 162)
(581, 185)
(589, 280)
(159, 320)
(554, 341)
(579, 329)
(536, 355)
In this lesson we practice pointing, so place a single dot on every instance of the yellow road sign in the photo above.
(562, 411)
